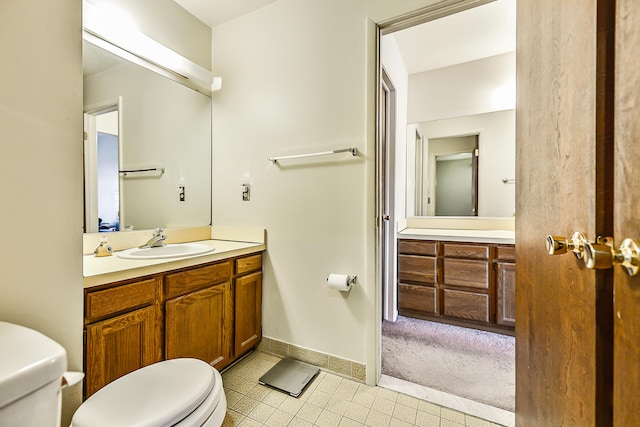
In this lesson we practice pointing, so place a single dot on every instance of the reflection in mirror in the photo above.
(147, 149)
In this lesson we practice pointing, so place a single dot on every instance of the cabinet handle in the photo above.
(557, 245)
(602, 255)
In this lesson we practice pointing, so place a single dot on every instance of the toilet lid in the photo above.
(157, 395)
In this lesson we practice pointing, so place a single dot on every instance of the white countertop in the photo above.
(101, 270)
(458, 235)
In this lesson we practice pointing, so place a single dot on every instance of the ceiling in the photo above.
(214, 12)
(476, 33)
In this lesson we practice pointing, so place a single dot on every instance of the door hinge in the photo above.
(84, 337)
(85, 135)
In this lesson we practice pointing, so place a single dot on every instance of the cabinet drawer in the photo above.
(415, 268)
(465, 272)
(417, 247)
(417, 298)
(466, 251)
(198, 278)
(506, 253)
(248, 264)
(466, 305)
(119, 299)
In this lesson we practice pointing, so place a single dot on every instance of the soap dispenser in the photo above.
(103, 249)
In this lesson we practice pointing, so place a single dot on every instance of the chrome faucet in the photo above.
(156, 241)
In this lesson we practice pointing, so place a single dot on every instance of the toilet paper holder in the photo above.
(341, 282)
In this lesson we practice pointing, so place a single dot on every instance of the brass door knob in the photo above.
(559, 245)
(602, 255)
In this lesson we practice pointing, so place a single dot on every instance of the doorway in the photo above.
(415, 184)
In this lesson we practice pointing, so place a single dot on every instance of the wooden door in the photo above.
(564, 327)
(118, 346)
(626, 312)
(199, 325)
(248, 322)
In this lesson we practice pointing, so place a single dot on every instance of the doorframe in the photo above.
(407, 20)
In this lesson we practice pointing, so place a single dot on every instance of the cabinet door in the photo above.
(506, 288)
(248, 324)
(199, 325)
(118, 346)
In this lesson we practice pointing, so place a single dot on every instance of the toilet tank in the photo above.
(31, 369)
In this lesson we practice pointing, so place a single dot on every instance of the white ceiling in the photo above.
(214, 12)
(476, 33)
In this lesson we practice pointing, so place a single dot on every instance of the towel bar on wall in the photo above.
(352, 150)
(128, 171)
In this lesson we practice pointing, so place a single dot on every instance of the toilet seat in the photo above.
(176, 392)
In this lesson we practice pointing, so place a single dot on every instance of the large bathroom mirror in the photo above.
(147, 147)
(460, 111)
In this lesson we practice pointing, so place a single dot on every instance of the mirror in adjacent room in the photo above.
(147, 147)
(460, 73)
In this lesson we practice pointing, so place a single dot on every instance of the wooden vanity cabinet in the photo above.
(199, 314)
(212, 312)
(122, 331)
(469, 284)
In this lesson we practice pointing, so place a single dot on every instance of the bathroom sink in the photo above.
(169, 251)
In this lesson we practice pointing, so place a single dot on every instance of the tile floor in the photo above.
(329, 401)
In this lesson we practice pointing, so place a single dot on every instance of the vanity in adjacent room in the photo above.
(138, 312)
(460, 276)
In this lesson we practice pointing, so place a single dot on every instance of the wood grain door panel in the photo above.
(199, 325)
(413, 268)
(248, 321)
(118, 346)
(466, 305)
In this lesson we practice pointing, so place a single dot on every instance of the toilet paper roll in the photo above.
(340, 282)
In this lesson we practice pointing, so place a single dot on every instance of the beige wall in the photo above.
(41, 185)
(298, 78)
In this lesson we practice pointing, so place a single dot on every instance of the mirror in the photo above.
(459, 75)
(147, 147)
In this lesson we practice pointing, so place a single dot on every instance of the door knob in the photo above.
(602, 255)
(559, 245)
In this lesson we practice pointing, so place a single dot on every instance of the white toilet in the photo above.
(176, 392)
(31, 370)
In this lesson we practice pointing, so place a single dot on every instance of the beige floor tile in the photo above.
(383, 405)
(448, 423)
(245, 405)
(262, 412)
(405, 413)
(377, 419)
(291, 405)
(409, 401)
(232, 418)
(395, 422)
(274, 398)
(258, 392)
(319, 398)
(248, 422)
(299, 422)
(348, 422)
(470, 421)
(309, 412)
(328, 419)
(388, 394)
(337, 405)
(425, 419)
(450, 414)
(232, 397)
(279, 418)
(357, 412)
(429, 408)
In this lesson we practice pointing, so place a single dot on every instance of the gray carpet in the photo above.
(464, 362)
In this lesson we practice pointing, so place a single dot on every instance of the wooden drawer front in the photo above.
(415, 268)
(417, 298)
(466, 251)
(120, 299)
(506, 253)
(466, 305)
(198, 278)
(417, 247)
(248, 264)
(464, 272)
